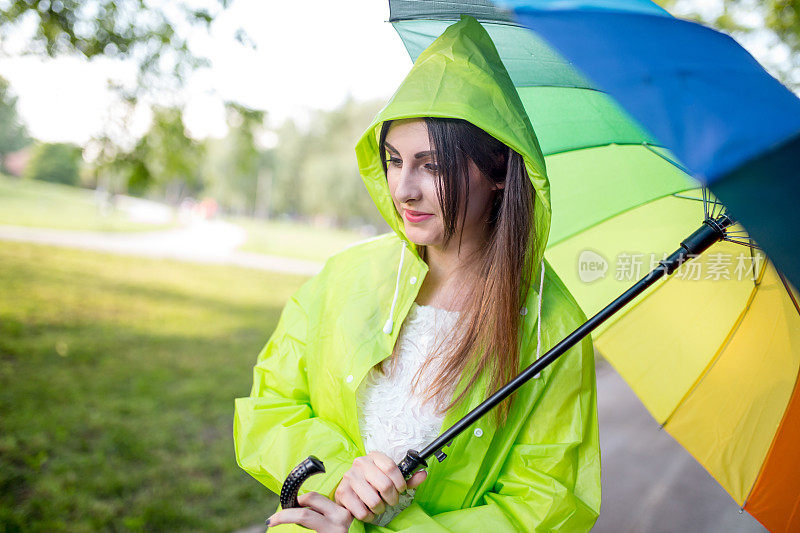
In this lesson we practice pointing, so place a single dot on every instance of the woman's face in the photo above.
(411, 174)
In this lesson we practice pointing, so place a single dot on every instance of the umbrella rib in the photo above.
(453, 17)
(796, 384)
(789, 290)
(774, 438)
(676, 195)
(667, 159)
(742, 243)
(719, 351)
(611, 143)
(705, 203)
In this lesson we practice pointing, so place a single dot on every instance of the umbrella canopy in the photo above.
(713, 351)
(700, 93)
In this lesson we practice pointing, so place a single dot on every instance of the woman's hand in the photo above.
(318, 513)
(373, 481)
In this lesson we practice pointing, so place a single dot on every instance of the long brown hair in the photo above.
(487, 334)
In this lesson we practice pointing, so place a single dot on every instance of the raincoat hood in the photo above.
(460, 75)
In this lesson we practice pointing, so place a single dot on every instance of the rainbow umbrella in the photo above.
(699, 92)
(713, 351)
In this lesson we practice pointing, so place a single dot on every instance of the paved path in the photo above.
(213, 242)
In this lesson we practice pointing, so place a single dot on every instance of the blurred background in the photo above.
(170, 172)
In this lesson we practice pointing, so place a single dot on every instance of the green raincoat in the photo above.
(541, 470)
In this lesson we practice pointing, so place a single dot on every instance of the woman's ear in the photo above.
(501, 185)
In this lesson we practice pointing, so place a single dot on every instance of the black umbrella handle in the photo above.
(291, 487)
(312, 465)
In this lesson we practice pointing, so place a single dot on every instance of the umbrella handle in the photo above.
(291, 486)
(312, 465)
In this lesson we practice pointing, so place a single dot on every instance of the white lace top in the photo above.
(390, 419)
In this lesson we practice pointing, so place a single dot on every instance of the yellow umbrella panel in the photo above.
(713, 350)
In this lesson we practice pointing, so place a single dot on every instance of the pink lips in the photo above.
(412, 216)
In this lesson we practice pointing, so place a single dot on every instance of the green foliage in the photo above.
(116, 28)
(117, 382)
(310, 173)
(783, 17)
(235, 164)
(55, 162)
(316, 171)
(13, 134)
(166, 160)
(171, 155)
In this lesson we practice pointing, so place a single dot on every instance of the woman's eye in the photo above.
(394, 161)
(432, 167)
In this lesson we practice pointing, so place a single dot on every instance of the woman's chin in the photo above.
(420, 238)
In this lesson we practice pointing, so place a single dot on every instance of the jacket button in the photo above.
(523, 311)
(413, 280)
(349, 378)
(478, 432)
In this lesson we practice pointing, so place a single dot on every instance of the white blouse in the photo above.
(391, 420)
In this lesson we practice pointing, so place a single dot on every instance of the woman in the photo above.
(467, 198)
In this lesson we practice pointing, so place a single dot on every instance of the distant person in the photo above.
(401, 334)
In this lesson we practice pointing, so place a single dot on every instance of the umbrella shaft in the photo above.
(711, 231)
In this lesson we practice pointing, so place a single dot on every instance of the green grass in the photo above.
(117, 382)
(289, 239)
(52, 205)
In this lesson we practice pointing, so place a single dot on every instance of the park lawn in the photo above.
(25, 202)
(291, 239)
(117, 384)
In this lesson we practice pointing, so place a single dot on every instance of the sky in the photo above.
(310, 55)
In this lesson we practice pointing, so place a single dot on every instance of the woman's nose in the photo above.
(408, 186)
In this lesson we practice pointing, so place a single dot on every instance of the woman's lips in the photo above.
(413, 216)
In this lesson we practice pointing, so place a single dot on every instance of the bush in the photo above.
(55, 162)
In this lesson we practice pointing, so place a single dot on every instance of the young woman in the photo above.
(378, 353)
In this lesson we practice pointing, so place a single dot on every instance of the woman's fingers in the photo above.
(380, 481)
(319, 513)
(298, 515)
(352, 502)
(324, 505)
(360, 481)
(417, 479)
(368, 495)
(389, 468)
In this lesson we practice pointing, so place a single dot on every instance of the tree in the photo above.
(134, 29)
(333, 186)
(167, 157)
(55, 162)
(13, 133)
(243, 159)
(235, 170)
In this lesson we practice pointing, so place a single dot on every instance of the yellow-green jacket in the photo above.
(538, 472)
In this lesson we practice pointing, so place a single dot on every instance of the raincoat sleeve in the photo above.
(275, 428)
(550, 480)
